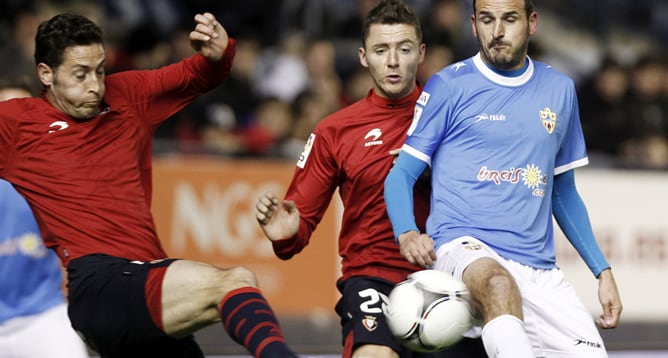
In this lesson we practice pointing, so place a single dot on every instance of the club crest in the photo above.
(548, 118)
(370, 323)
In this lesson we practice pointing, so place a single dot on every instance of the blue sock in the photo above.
(249, 321)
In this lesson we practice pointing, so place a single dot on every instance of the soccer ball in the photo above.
(429, 311)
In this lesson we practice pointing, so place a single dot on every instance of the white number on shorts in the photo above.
(373, 298)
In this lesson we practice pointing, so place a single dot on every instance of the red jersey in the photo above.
(89, 182)
(349, 150)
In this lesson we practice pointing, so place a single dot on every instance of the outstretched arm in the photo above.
(209, 37)
(571, 215)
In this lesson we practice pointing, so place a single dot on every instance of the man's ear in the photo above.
(45, 74)
(361, 52)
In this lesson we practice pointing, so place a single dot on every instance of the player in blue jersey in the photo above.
(502, 136)
(33, 310)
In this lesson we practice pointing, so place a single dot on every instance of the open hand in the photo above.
(279, 219)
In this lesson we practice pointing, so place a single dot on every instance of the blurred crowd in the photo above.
(297, 62)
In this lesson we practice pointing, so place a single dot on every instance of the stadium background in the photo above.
(203, 212)
(213, 160)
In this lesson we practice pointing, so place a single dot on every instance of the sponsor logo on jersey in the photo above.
(458, 65)
(370, 323)
(490, 117)
(371, 138)
(307, 151)
(548, 118)
(29, 244)
(58, 126)
(531, 176)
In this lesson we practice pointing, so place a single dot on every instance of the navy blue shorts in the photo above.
(108, 307)
(363, 321)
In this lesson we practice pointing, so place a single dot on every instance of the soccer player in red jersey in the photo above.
(81, 156)
(351, 150)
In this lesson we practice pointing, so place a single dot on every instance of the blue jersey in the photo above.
(30, 275)
(494, 144)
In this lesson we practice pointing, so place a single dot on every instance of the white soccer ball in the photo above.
(429, 311)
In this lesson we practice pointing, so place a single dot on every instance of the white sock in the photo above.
(504, 337)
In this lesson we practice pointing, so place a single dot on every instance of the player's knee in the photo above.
(503, 295)
(493, 289)
(485, 273)
(238, 277)
(502, 284)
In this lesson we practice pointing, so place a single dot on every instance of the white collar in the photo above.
(500, 79)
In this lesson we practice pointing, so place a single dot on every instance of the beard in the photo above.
(510, 58)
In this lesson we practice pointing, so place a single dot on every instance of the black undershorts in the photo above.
(107, 307)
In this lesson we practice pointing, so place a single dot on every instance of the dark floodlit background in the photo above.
(297, 62)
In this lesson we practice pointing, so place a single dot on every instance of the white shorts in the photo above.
(48, 334)
(555, 319)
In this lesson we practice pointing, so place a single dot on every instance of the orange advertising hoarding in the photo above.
(204, 210)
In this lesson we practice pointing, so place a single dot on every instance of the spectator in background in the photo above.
(307, 111)
(444, 26)
(435, 59)
(220, 116)
(144, 47)
(282, 72)
(648, 146)
(17, 43)
(349, 28)
(346, 30)
(604, 109)
(164, 15)
(33, 309)
(356, 86)
(16, 86)
(270, 127)
(323, 79)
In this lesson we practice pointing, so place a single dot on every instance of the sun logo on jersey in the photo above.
(30, 245)
(533, 177)
(548, 118)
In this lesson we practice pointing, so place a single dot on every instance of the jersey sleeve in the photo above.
(313, 184)
(429, 120)
(158, 94)
(572, 153)
(7, 132)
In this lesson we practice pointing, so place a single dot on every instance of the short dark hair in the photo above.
(528, 7)
(63, 31)
(390, 12)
